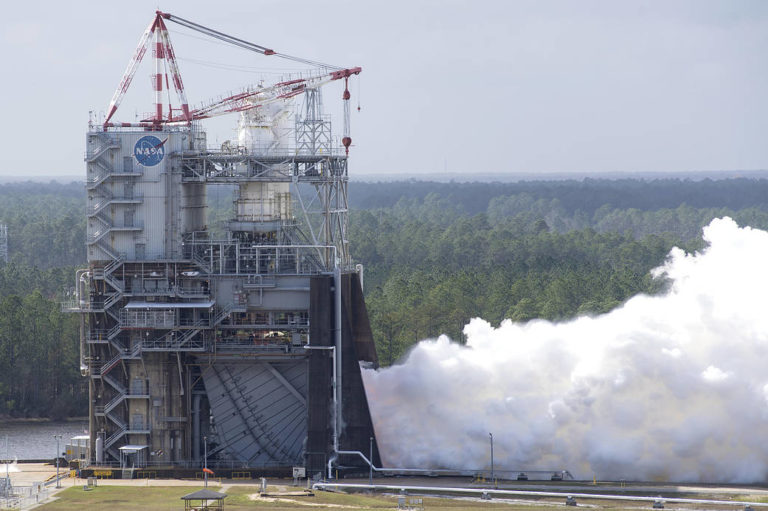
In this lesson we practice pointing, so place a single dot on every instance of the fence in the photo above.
(24, 497)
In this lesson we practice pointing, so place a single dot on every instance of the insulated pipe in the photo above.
(386, 469)
(81, 281)
(338, 370)
(506, 493)
(336, 353)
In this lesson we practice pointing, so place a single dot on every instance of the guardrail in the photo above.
(256, 259)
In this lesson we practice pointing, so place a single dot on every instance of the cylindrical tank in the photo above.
(99, 449)
(267, 128)
(263, 202)
(192, 207)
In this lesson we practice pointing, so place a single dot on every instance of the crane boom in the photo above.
(133, 64)
(254, 97)
(163, 50)
(249, 98)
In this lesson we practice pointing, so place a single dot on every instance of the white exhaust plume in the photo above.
(671, 387)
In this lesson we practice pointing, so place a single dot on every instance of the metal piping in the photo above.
(502, 493)
(338, 354)
(81, 281)
(387, 469)
(335, 352)
(419, 470)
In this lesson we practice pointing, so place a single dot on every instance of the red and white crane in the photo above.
(249, 98)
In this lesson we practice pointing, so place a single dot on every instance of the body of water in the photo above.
(35, 440)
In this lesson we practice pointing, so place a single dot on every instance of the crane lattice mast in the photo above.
(249, 98)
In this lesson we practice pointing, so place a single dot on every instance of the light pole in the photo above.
(58, 481)
(491, 435)
(7, 461)
(205, 460)
(370, 464)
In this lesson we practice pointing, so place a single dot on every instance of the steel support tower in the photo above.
(251, 337)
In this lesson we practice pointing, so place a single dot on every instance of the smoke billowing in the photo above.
(671, 387)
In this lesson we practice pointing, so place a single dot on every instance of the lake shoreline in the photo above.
(40, 420)
(38, 439)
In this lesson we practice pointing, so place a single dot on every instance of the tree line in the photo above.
(435, 256)
(424, 278)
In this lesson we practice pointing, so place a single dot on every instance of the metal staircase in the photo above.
(101, 197)
(131, 354)
(105, 144)
(201, 263)
(122, 394)
(119, 387)
(222, 313)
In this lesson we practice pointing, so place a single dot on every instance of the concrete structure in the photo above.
(250, 337)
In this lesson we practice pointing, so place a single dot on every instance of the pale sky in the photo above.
(468, 86)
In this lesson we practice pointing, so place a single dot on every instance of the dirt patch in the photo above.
(258, 498)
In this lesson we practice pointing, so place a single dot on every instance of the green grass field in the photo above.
(119, 498)
(240, 497)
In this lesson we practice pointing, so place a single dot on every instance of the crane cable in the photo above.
(242, 43)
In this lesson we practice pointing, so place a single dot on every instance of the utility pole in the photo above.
(7, 461)
(491, 435)
(370, 464)
(58, 481)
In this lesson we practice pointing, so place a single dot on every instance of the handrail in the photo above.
(111, 363)
(117, 420)
(109, 268)
(107, 143)
(112, 299)
(115, 384)
(114, 437)
(113, 403)
(171, 341)
(113, 332)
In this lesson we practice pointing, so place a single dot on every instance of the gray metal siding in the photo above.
(259, 410)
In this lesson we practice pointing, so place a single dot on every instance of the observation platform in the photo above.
(274, 167)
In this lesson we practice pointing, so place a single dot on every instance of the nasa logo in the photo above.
(149, 150)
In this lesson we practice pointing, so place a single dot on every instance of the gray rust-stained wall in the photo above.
(319, 402)
(165, 412)
(167, 208)
(356, 427)
(259, 406)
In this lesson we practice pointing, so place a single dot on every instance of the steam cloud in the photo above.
(671, 387)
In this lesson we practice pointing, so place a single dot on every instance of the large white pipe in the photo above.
(338, 370)
(81, 283)
(391, 469)
(507, 493)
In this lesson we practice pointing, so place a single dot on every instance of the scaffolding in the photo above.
(193, 339)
